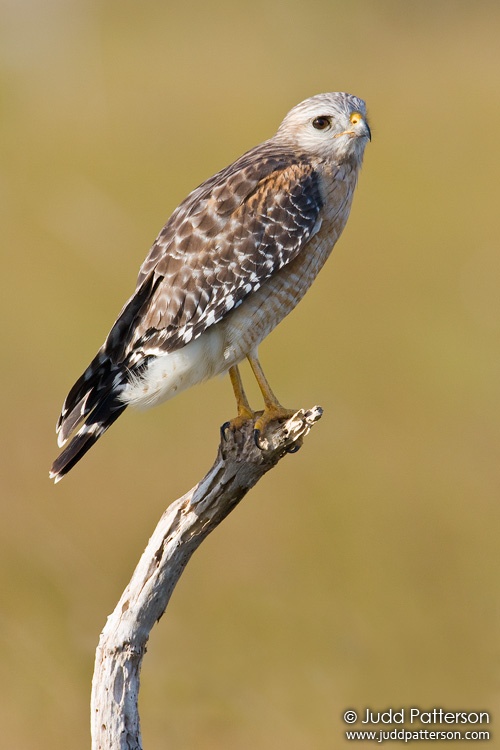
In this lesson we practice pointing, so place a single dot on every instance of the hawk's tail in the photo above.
(95, 401)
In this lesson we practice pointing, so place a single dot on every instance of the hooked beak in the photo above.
(359, 129)
(365, 131)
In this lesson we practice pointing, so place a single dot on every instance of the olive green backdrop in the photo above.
(362, 571)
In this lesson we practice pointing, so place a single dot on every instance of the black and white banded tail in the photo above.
(96, 397)
(95, 401)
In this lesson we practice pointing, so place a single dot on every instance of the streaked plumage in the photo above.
(231, 262)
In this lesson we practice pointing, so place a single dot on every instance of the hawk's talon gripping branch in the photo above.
(223, 430)
(256, 437)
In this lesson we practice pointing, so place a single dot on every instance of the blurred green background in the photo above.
(362, 571)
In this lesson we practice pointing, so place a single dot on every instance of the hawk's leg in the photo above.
(273, 409)
(244, 410)
(245, 413)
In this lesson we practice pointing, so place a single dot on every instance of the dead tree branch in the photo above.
(186, 522)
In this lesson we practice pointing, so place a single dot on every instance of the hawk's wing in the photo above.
(228, 236)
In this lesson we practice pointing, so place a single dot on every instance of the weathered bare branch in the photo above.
(186, 522)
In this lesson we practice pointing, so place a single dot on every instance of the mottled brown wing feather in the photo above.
(228, 236)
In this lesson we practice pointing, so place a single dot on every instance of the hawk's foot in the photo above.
(245, 414)
(272, 413)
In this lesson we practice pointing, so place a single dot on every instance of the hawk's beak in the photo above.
(360, 128)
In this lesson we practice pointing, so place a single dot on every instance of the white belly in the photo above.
(223, 345)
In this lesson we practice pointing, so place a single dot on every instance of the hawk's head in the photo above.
(330, 126)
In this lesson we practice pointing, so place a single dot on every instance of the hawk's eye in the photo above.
(321, 123)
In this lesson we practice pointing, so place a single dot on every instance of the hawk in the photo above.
(233, 260)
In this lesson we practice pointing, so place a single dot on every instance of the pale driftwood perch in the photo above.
(239, 465)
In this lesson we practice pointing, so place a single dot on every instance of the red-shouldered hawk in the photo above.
(232, 261)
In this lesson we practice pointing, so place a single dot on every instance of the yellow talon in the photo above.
(273, 413)
(273, 410)
(245, 412)
(246, 415)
